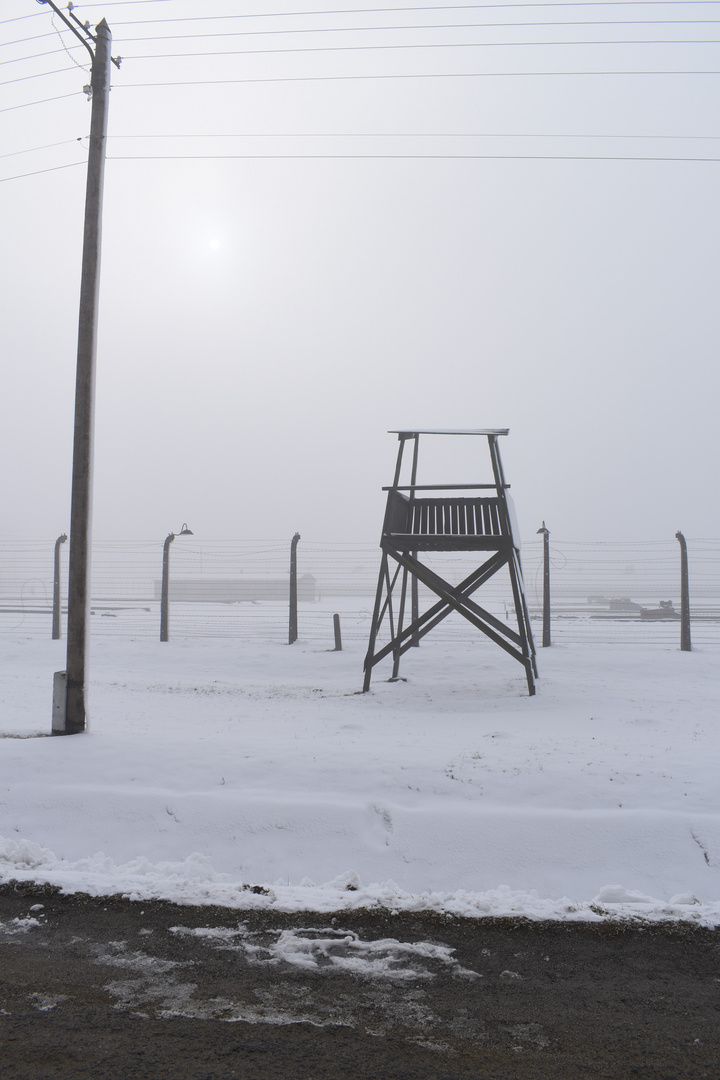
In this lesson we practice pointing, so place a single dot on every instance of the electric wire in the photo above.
(422, 26)
(36, 56)
(21, 18)
(379, 29)
(35, 149)
(428, 7)
(404, 135)
(418, 75)
(375, 10)
(402, 157)
(39, 172)
(39, 75)
(41, 101)
(409, 47)
(359, 48)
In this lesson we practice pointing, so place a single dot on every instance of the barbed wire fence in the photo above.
(240, 589)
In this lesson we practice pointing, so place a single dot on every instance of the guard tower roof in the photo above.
(449, 431)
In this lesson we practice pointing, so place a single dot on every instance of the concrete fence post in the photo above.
(293, 627)
(685, 644)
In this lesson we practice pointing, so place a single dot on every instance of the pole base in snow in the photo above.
(59, 704)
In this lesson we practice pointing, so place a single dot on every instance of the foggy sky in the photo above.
(264, 322)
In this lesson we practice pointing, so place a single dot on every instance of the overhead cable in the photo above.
(434, 45)
(35, 149)
(425, 26)
(431, 7)
(433, 75)
(399, 157)
(38, 172)
(402, 135)
(41, 101)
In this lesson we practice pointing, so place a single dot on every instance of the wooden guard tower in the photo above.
(447, 521)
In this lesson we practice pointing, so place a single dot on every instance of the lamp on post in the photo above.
(56, 589)
(165, 575)
(685, 643)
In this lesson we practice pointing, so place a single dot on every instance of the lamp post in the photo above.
(685, 643)
(165, 575)
(56, 589)
(546, 585)
(292, 630)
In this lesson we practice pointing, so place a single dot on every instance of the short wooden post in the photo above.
(546, 640)
(56, 589)
(293, 631)
(338, 637)
(685, 645)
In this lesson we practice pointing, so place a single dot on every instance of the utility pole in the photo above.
(69, 716)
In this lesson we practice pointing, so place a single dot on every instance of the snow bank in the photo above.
(253, 776)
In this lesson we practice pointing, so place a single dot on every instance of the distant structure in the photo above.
(210, 590)
(416, 523)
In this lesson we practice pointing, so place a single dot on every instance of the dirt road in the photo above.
(96, 988)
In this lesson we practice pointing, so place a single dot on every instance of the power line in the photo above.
(384, 48)
(124, 3)
(399, 135)
(35, 56)
(381, 29)
(20, 18)
(23, 41)
(425, 7)
(42, 101)
(400, 157)
(423, 26)
(434, 75)
(35, 149)
(39, 172)
(353, 48)
(375, 10)
(37, 75)
(115, 3)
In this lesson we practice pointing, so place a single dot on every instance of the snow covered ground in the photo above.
(254, 775)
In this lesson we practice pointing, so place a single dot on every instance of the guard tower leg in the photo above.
(401, 615)
(374, 626)
(528, 648)
(384, 583)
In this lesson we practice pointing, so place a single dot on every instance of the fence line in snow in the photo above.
(241, 589)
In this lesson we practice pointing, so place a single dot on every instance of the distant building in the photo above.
(207, 590)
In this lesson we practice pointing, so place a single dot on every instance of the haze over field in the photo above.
(291, 282)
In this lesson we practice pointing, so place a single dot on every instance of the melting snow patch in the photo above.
(328, 949)
(685, 899)
(510, 976)
(46, 1002)
(19, 926)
